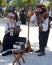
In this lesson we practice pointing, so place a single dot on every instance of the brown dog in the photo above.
(20, 53)
(17, 58)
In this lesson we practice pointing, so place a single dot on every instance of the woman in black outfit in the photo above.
(9, 37)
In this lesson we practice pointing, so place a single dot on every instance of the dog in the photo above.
(17, 58)
(27, 49)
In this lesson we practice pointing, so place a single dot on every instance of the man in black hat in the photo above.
(43, 23)
(43, 30)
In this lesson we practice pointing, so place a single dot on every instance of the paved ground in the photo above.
(31, 59)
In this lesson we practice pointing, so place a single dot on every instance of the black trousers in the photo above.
(50, 18)
(43, 37)
(47, 33)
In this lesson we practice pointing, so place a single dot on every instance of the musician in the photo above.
(9, 37)
(43, 31)
(43, 23)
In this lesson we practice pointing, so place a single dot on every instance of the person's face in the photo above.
(39, 9)
(11, 19)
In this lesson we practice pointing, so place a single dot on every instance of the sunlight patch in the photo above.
(10, 64)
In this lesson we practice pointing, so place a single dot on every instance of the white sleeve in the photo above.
(45, 24)
(50, 13)
(33, 19)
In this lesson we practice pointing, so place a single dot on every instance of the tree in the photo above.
(16, 3)
(47, 4)
(3, 3)
(19, 3)
(0, 2)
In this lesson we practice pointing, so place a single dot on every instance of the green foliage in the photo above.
(33, 2)
(3, 3)
(47, 4)
(16, 3)
(19, 3)
(13, 2)
(25, 2)
(0, 2)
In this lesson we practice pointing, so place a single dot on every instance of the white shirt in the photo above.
(50, 13)
(34, 19)
(44, 24)
(9, 26)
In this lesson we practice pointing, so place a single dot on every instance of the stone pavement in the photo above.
(32, 58)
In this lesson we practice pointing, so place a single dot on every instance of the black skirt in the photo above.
(8, 42)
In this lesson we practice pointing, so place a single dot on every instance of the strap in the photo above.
(8, 25)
